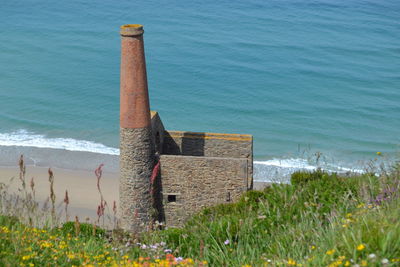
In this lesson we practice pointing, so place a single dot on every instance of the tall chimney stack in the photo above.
(136, 148)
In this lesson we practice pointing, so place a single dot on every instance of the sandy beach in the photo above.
(81, 185)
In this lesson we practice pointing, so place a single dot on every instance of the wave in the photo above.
(27, 139)
(288, 163)
(277, 170)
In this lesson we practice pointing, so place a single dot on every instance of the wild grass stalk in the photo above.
(66, 202)
(52, 194)
(321, 219)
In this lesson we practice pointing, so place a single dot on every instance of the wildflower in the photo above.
(179, 259)
(347, 263)
(345, 225)
(25, 258)
(330, 252)
(385, 261)
(167, 250)
(62, 245)
(46, 244)
(227, 242)
(364, 263)
(379, 153)
(291, 262)
(360, 247)
(168, 257)
(313, 247)
(372, 256)
(247, 265)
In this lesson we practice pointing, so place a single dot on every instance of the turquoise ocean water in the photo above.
(301, 76)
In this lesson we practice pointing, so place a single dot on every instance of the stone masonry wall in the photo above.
(136, 164)
(157, 130)
(191, 183)
(211, 145)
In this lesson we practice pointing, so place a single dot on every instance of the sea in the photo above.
(316, 82)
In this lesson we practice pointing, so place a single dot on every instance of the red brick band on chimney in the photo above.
(134, 96)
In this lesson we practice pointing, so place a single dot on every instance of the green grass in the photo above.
(320, 219)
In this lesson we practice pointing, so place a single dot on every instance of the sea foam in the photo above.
(36, 148)
(27, 139)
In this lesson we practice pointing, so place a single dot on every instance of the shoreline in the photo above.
(83, 195)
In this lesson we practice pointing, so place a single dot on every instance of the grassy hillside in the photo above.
(320, 219)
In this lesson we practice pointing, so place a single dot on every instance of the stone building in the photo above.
(200, 169)
(176, 173)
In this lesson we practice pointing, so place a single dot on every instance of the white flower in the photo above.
(385, 261)
(227, 242)
(179, 259)
(372, 256)
(167, 250)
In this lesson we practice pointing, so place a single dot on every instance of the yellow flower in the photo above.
(347, 263)
(379, 153)
(291, 262)
(348, 215)
(364, 263)
(247, 265)
(313, 247)
(62, 245)
(25, 258)
(46, 244)
(345, 225)
(31, 264)
(360, 247)
(330, 252)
